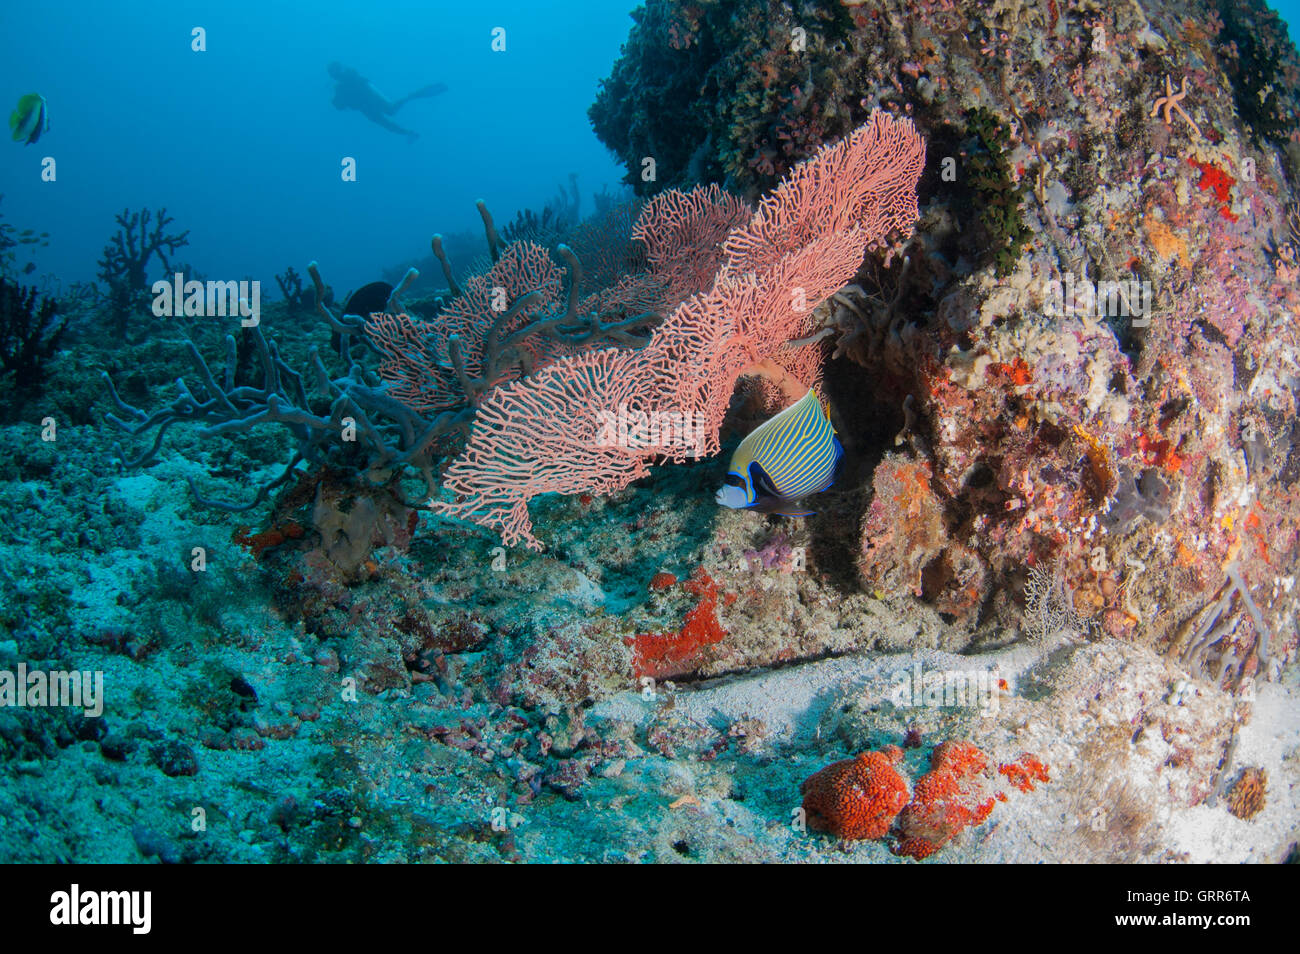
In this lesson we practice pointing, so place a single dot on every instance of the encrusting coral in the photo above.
(953, 795)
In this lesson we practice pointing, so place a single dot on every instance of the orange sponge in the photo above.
(858, 797)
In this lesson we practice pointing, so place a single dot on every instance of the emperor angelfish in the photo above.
(30, 119)
(792, 456)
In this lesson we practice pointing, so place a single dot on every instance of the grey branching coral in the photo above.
(357, 418)
(1216, 623)
(124, 263)
(368, 423)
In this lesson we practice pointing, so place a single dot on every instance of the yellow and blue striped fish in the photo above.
(792, 456)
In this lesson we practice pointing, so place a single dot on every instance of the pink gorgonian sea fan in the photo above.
(549, 433)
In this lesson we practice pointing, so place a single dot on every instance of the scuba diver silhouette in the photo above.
(354, 91)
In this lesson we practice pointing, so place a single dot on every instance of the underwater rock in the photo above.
(174, 758)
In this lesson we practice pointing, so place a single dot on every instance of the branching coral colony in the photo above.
(125, 261)
(30, 330)
(357, 422)
(514, 369)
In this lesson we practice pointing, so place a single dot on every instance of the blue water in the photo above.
(1290, 11)
(243, 147)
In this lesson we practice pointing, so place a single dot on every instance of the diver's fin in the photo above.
(425, 92)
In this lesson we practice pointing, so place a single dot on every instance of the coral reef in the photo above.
(1070, 344)
(1040, 259)
(125, 261)
(30, 330)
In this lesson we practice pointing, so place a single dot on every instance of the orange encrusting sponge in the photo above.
(858, 797)
(866, 797)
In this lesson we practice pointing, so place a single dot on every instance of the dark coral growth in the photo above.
(547, 228)
(29, 334)
(297, 298)
(1263, 70)
(670, 98)
(126, 260)
(991, 197)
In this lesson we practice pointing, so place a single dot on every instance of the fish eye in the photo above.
(734, 480)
